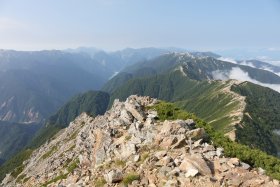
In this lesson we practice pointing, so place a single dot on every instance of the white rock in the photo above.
(197, 143)
(73, 185)
(136, 158)
(220, 151)
(195, 162)
(192, 172)
(152, 114)
(128, 150)
(245, 166)
(261, 171)
(233, 162)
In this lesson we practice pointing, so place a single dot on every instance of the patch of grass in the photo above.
(128, 137)
(19, 178)
(26, 179)
(168, 111)
(49, 153)
(73, 135)
(61, 155)
(17, 171)
(129, 178)
(105, 166)
(60, 177)
(143, 157)
(119, 163)
(100, 182)
(73, 166)
(70, 169)
(71, 148)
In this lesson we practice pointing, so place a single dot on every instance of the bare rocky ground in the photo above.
(127, 146)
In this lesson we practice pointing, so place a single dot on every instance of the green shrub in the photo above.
(129, 178)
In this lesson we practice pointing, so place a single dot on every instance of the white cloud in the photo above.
(245, 63)
(238, 74)
(273, 62)
(263, 67)
(220, 75)
(227, 60)
(271, 70)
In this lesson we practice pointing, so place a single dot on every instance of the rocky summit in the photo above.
(129, 146)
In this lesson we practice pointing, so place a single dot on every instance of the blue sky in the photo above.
(116, 24)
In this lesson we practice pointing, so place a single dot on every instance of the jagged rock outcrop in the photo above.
(129, 146)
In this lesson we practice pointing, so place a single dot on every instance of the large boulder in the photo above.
(174, 127)
(126, 117)
(195, 162)
(196, 134)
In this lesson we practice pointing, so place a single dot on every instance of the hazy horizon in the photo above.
(112, 25)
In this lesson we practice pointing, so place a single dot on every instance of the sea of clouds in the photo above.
(238, 74)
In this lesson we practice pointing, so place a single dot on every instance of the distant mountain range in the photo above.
(35, 84)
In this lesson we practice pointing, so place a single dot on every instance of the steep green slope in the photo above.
(117, 81)
(14, 136)
(262, 117)
(92, 102)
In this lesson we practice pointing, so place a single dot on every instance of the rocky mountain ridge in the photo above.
(188, 82)
(129, 146)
